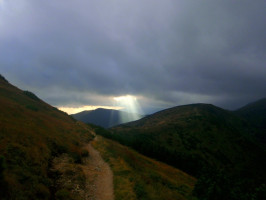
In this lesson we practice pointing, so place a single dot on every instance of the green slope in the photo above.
(32, 133)
(139, 177)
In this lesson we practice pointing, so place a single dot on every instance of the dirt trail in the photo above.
(99, 177)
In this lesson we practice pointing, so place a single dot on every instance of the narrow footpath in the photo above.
(99, 176)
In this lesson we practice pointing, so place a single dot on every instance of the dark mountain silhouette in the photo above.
(255, 114)
(201, 139)
(32, 133)
(105, 117)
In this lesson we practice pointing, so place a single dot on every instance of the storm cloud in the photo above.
(167, 53)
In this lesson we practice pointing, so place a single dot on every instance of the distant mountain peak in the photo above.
(106, 117)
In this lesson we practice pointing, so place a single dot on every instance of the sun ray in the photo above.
(131, 108)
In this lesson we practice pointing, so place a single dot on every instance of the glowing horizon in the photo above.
(74, 110)
(127, 103)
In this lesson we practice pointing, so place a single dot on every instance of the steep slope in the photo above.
(255, 114)
(105, 117)
(198, 138)
(32, 133)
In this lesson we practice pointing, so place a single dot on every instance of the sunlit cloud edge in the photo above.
(74, 110)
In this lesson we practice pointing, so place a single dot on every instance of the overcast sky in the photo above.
(75, 53)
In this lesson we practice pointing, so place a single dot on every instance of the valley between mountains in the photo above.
(46, 154)
(190, 152)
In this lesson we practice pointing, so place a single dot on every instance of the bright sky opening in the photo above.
(110, 52)
(73, 110)
(131, 107)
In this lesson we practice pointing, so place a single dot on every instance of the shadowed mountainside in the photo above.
(255, 114)
(201, 139)
(41, 146)
(43, 156)
(105, 117)
(32, 133)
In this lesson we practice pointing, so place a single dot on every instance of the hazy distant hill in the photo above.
(105, 117)
(197, 138)
(255, 113)
(32, 133)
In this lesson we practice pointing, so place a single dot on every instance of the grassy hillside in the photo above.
(202, 140)
(139, 177)
(105, 117)
(32, 134)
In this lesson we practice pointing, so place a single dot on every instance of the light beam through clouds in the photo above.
(131, 108)
(169, 52)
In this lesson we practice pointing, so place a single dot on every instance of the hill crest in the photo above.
(203, 140)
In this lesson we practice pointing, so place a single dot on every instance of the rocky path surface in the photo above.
(99, 177)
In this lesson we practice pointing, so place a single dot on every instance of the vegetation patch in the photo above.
(69, 179)
(32, 134)
(31, 95)
(139, 177)
(32, 107)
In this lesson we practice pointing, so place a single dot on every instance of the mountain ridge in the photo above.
(105, 117)
(198, 139)
(44, 155)
(215, 145)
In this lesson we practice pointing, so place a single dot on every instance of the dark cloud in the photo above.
(169, 52)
